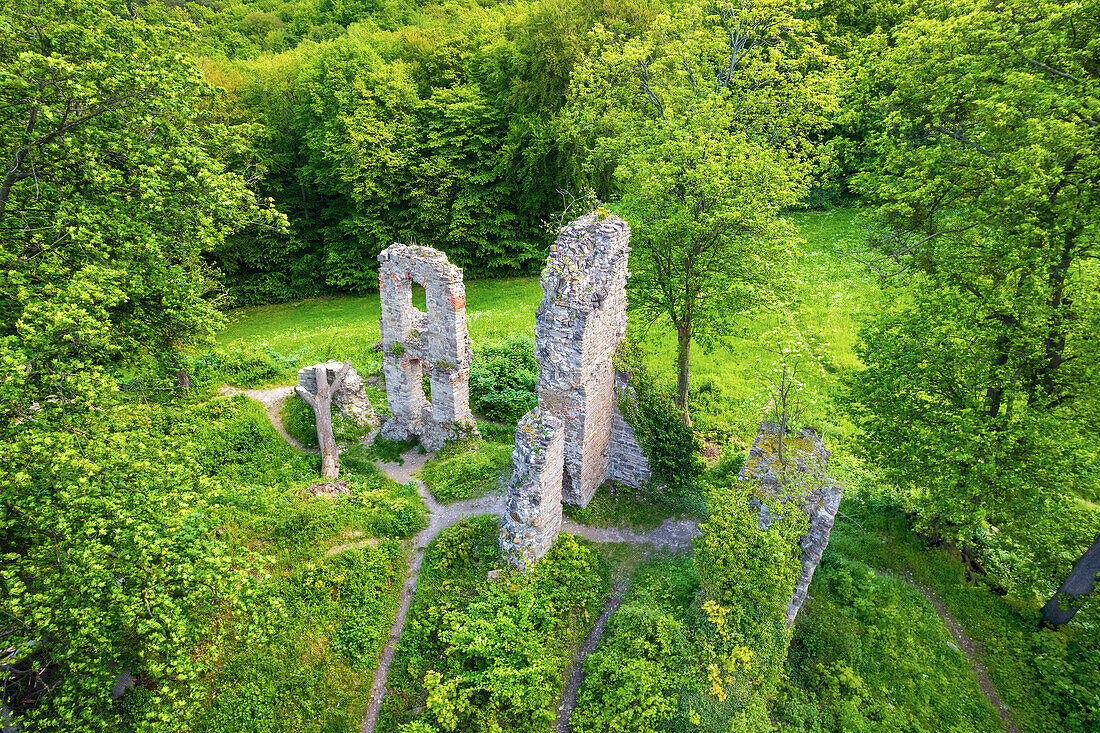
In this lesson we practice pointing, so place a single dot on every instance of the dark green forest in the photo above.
(880, 218)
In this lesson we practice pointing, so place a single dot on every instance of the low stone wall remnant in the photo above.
(532, 507)
(803, 482)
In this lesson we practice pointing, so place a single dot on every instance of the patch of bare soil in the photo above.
(330, 489)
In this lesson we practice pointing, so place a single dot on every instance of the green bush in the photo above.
(633, 680)
(671, 447)
(467, 468)
(503, 379)
(480, 654)
(241, 365)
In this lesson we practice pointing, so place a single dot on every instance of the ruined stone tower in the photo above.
(410, 337)
(579, 323)
(581, 319)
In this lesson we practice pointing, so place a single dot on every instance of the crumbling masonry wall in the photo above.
(411, 337)
(579, 323)
(532, 508)
(804, 482)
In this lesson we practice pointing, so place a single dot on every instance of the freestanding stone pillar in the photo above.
(803, 482)
(411, 336)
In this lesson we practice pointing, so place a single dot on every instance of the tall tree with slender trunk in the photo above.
(702, 128)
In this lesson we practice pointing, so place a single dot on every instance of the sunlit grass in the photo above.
(731, 383)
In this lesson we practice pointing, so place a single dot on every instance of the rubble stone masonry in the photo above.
(411, 338)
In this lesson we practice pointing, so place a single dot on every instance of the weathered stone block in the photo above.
(350, 399)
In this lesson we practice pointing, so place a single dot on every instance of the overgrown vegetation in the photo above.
(468, 468)
(488, 654)
(502, 379)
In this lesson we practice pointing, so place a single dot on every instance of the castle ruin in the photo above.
(579, 323)
(411, 337)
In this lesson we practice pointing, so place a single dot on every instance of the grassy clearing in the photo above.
(615, 505)
(320, 329)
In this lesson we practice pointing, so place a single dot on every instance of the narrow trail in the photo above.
(440, 516)
(272, 400)
(973, 651)
(576, 677)
(673, 535)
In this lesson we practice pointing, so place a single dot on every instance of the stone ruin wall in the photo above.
(350, 398)
(819, 497)
(579, 324)
(532, 509)
(412, 338)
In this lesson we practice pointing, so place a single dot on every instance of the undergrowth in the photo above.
(467, 468)
(303, 659)
(484, 654)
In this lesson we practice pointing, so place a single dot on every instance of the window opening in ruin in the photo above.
(419, 297)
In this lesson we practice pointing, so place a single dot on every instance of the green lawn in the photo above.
(730, 383)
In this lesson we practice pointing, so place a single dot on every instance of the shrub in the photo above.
(466, 468)
(503, 379)
(671, 447)
(240, 365)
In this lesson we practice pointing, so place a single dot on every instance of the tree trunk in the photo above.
(326, 439)
(683, 371)
(1081, 582)
(322, 415)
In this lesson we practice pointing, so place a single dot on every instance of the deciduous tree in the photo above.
(702, 127)
(980, 391)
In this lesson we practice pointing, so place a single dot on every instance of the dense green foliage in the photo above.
(502, 379)
(482, 654)
(979, 393)
(671, 447)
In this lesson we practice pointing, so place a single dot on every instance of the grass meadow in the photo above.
(731, 383)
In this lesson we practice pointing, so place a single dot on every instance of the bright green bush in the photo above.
(633, 680)
(241, 365)
(503, 379)
(479, 654)
(467, 468)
